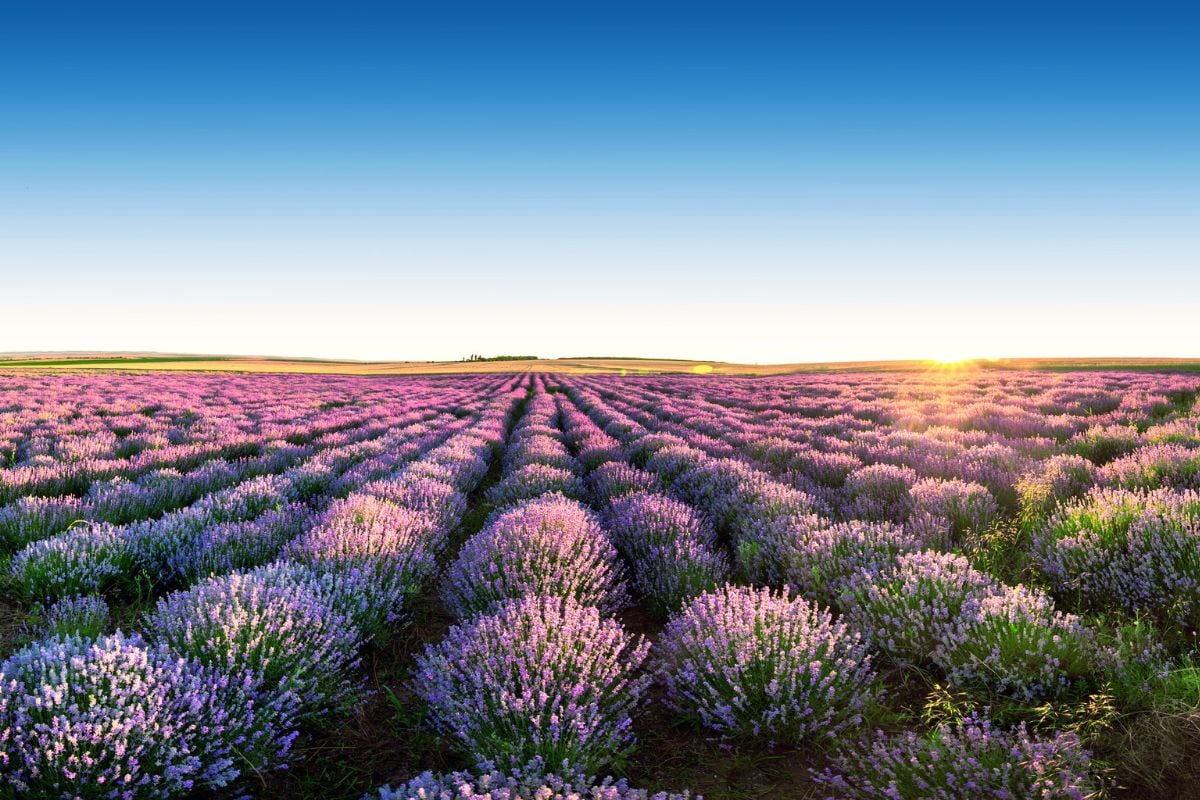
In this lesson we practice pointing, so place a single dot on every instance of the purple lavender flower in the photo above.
(912, 608)
(616, 479)
(84, 560)
(441, 501)
(462, 464)
(957, 506)
(540, 448)
(672, 549)
(30, 519)
(116, 718)
(969, 759)
(819, 560)
(550, 546)
(880, 492)
(371, 606)
(529, 783)
(1183, 431)
(639, 449)
(85, 616)
(533, 481)
(289, 634)
(750, 662)
(668, 460)
(597, 449)
(1056, 480)
(1100, 444)
(731, 492)
(228, 546)
(394, 548)
(1018, 645)
(819, 467)
(760, 515)
(541, 678)
(248, 499)
(1136, 551)
(362, 527)
(1159, 465)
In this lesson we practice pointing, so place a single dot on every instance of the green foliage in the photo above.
(1002, 551)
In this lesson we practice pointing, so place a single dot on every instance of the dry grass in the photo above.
(12, 618)
(1156, 755)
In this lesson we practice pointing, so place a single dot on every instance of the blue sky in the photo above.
(758, 182)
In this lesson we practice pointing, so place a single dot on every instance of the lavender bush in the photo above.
(945, 510)
(760, 515)
(530, 783)
(1122, 550)
(533, 481)
(539, 449)
(914, 607)
(371, 607)
(1155, 466)
(1101, 444)
(738, 497)
(616, 479)
(116, 718)
(598, 449)
(248, 499)
(395, 549)
(549, 546)
(1184, 431)
(84, 560)
(464, 460)
(672, 550)
(880, 492)
(1018, 645)
(750, 662)
(541, 678)
(85, 616)
(669, 459)
(30, 519)
(270, 625)
(444, 504)
(820, 560)
(1055, 481)
(228, 546)
(963, 761)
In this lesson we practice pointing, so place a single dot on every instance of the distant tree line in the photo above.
(477, 357)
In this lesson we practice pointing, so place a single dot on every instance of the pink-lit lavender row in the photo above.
(202, 562)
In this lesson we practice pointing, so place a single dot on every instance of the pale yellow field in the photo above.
(619, 366)
(562, 366)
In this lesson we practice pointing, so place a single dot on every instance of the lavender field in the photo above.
(921, 584)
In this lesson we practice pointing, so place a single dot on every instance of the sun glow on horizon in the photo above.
(953, 362)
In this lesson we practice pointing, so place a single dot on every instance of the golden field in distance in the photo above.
(568, 366)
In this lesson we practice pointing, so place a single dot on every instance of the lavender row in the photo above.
(239, 526)
(153, 494)
(59, 444)
(536, 671)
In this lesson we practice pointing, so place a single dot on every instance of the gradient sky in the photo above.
(740, 181)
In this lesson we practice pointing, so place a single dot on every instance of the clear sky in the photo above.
(742, 181)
